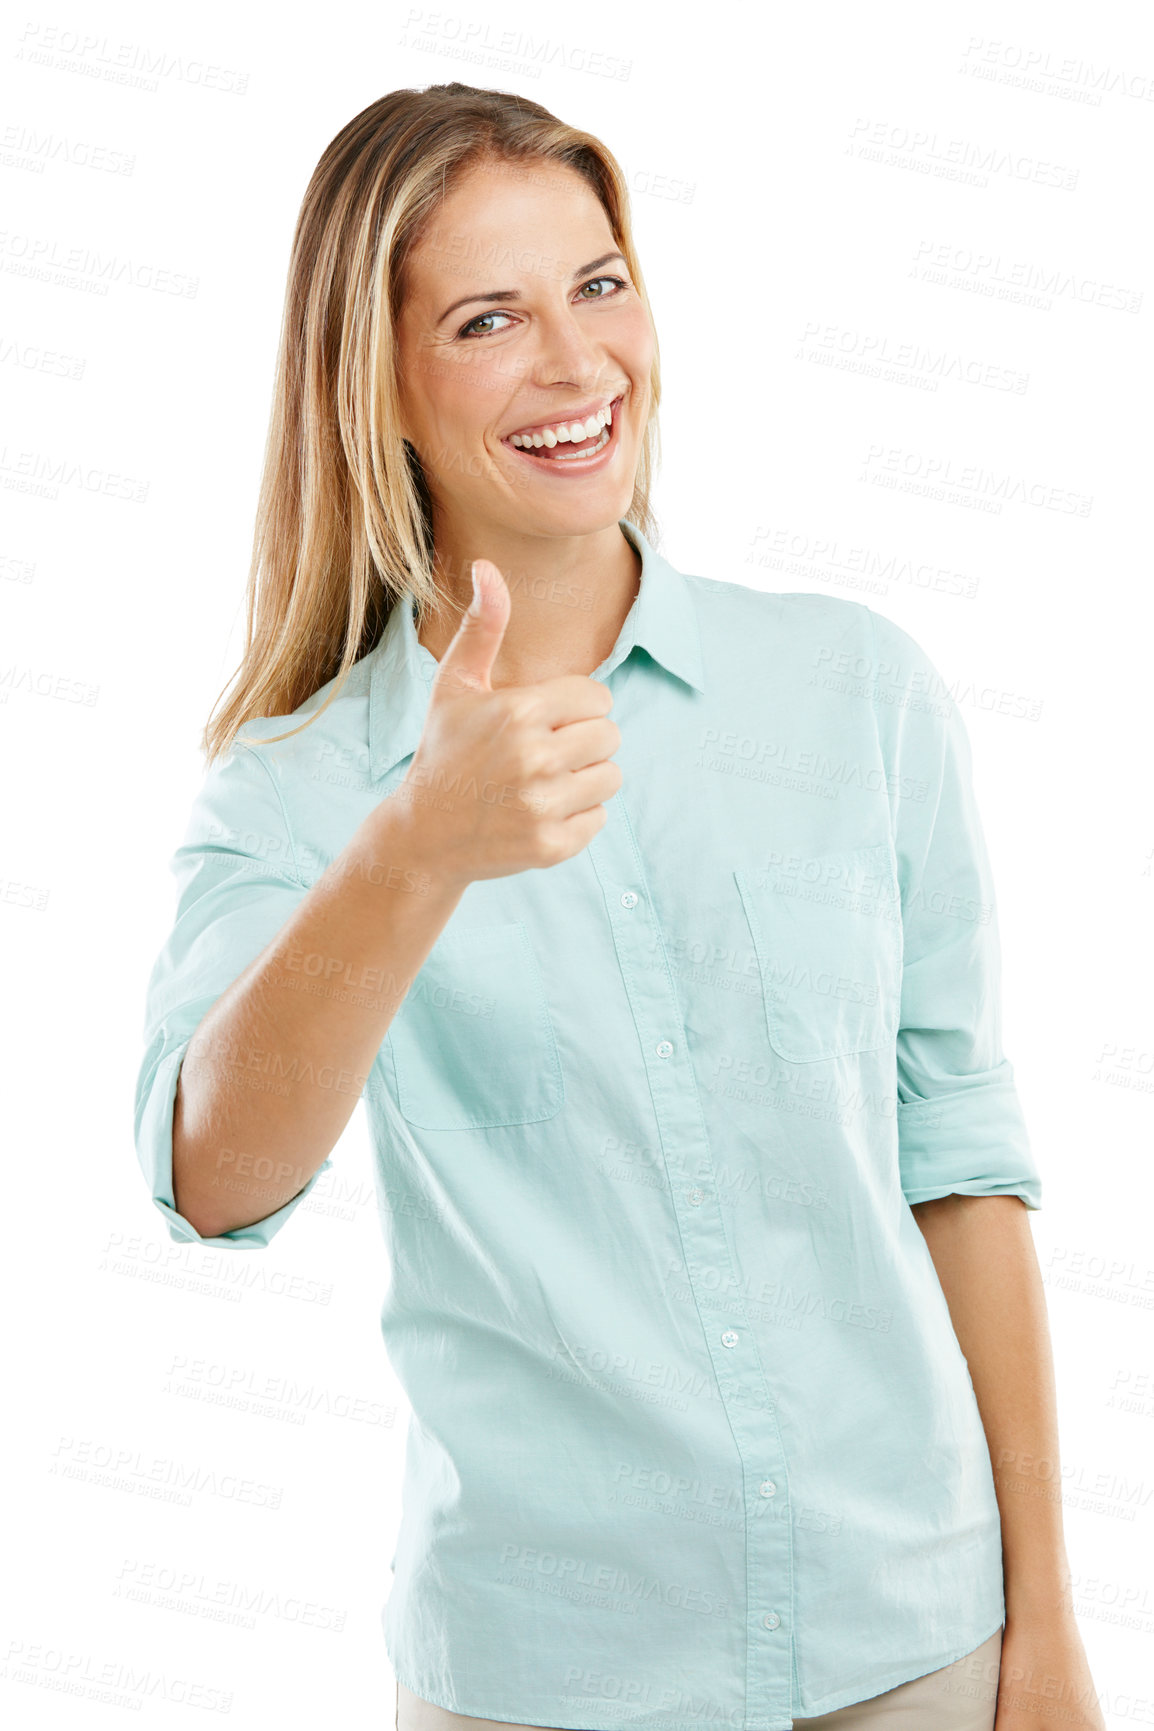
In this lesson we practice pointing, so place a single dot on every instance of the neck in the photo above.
(570, 596)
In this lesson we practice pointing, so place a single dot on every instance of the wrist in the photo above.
(1043, 1591)
(400, 830)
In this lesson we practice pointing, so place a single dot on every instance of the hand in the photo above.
(1045, 1682)
(503, 781)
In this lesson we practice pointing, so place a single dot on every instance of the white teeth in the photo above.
(565, 432)
(583, 456)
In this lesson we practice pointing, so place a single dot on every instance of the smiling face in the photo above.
(521, 317)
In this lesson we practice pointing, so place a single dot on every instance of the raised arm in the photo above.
(268, 1004)
(274, 1069)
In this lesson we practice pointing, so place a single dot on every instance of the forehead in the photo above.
(507, 223)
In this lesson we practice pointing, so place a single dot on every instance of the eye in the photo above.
(469, 330)
(620, 281)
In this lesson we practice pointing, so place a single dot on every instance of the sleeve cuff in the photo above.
(154, 1149)
(973, 1142)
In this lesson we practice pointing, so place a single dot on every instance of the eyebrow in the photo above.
(515, 294)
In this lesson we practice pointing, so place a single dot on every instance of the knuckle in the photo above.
(546, 840)
(519, 705)
(529, 765)
(451, 679)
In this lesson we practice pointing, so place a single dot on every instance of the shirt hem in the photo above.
(829, 1703)
(844, 1698)
(587, 1721)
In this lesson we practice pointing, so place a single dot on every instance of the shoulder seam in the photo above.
(279, 797)
(874, 710)
(873, 664)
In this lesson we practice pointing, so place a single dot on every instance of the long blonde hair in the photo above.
(343, 522)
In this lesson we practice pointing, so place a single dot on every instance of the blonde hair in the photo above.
(343, 522)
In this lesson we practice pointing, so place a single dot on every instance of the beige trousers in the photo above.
(959, 1697)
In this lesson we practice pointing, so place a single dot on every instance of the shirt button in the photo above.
(628, 900)
(696, 1196)
(766, 1488)
(664, 1049)
(729, 1338)
(771, 1619)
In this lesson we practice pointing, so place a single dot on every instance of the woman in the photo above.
(652, 917)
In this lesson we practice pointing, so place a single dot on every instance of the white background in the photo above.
(857, 225)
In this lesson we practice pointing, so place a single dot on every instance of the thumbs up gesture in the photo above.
(503, 781)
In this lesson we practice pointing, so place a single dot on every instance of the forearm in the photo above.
(983, 1251)
(309, 1015)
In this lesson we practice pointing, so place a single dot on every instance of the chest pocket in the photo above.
(472, 1044)
(827, 932)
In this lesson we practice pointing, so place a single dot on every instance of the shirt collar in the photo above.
(662, 621)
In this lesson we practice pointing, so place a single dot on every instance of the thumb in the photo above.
(468, 661)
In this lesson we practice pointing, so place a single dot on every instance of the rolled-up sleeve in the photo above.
(960, 1122)
(237, 883)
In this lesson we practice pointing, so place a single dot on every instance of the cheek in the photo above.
(637, 345)
(460, 396)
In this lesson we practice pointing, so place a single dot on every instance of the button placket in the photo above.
(707, 1256)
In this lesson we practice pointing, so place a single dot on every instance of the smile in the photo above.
(556, 447)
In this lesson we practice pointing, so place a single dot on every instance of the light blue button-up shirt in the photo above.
(693, 1441)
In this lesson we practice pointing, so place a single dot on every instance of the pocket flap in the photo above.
(473, 1044)
(827, 932)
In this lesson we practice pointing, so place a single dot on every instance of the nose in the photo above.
(567, 354)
